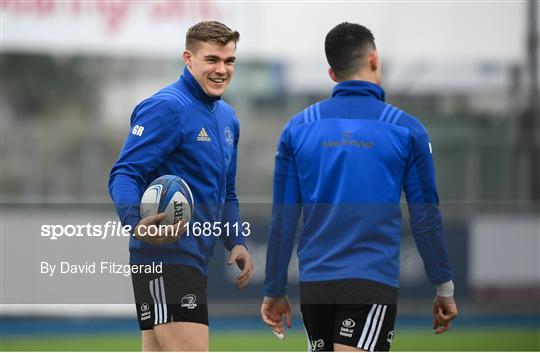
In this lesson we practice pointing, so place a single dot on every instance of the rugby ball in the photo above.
(171, 195)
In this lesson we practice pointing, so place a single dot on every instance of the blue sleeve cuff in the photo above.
(231, 215)
(274, 293)
(234, 240)
(131, 218)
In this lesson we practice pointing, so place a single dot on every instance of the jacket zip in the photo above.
(223, 174)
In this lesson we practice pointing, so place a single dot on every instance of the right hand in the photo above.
(150, 231)
(272, 310)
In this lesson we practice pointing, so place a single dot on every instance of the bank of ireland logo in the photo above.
(188, 301)
(228, 136)
(346, 329)
(348, 323)
(145, 311)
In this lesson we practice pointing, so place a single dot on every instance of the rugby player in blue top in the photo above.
(185, 129)
(343, 163)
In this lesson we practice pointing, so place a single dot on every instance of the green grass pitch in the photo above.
(474, 339)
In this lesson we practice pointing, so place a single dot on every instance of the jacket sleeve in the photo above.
(231, 209)
(286, 210)
(151, 138)
(423, 202)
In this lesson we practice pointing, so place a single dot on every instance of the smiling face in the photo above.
(212, 65)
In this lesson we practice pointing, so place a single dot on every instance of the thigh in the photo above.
(318, 314)
(182, 336)
(144, 302)
(149, 342)
(176, 295)
(343, 348)
(369, 327)
(185, 292)
(319, 324)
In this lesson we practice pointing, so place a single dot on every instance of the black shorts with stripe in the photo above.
(178, 294)
(353, 312)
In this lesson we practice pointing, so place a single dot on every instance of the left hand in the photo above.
(241, 256)
(444, 311)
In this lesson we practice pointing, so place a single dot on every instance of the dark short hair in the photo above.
(346, 46)
(210, 31)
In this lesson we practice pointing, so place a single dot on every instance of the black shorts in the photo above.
(352, 312)
(177, 294)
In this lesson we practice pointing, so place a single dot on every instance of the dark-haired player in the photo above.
(344, 162)
(186, 130)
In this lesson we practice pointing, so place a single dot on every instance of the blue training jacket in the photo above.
(184, 132)
(344, 162)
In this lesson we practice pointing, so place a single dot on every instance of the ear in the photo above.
(373, 60)
(187, 55)
(332, 74)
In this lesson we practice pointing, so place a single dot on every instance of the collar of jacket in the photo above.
(196, 90)
(358, 88)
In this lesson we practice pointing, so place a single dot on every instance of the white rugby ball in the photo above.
(169, 194)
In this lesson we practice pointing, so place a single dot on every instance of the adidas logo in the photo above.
(203, 136)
